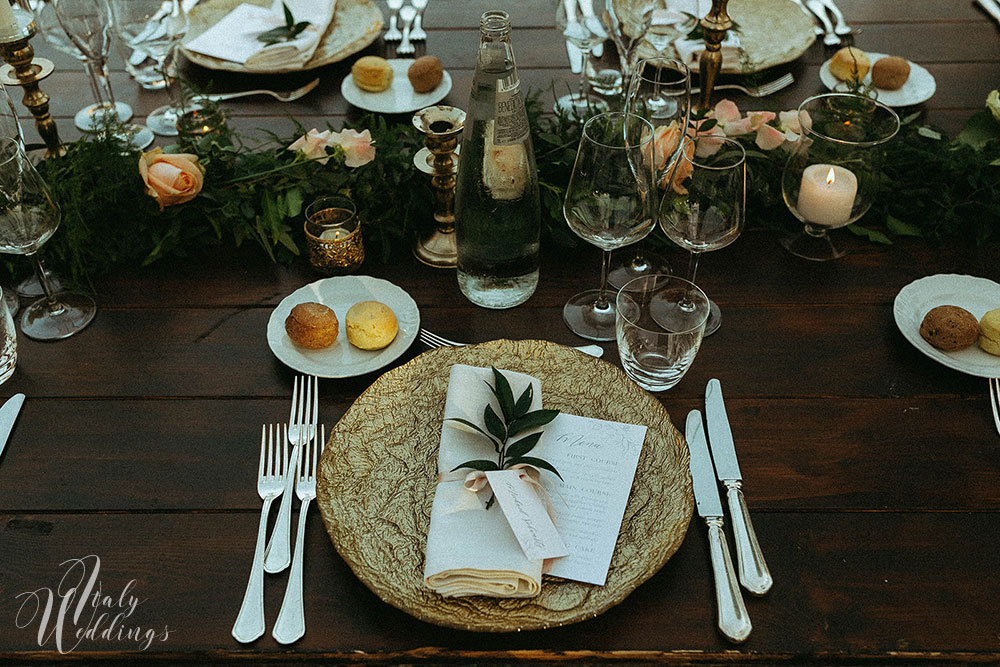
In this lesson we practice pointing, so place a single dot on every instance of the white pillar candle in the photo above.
(826, 194)
(8, 24)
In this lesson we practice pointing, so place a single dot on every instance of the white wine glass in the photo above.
(28, 218)
(659, 91)
(154, 28)
(704, 209)
(580, 25)
(609, 204)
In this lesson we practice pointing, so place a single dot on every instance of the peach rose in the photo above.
(171, 178)
(358, 148)
(313, 145)
(683, 170)
(665, 139)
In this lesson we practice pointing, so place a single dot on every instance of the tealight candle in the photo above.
(826, 194)
(334, 234)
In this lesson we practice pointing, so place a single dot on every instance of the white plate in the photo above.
(342, 359)
(400, 97)
(918, 88)
(976, 295)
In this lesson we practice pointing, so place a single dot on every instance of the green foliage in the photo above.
(284, 33)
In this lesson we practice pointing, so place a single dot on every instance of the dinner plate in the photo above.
(400, 97)
(976, 295)
(377, 478)
(342, 359)
(918, 88)
(355, 25)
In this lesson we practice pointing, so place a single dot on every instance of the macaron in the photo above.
(989, 332)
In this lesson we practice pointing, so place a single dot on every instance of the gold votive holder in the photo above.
(333, 236)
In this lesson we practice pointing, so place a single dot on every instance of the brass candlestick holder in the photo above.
(715, 24)
(25, 70)
(441, 126)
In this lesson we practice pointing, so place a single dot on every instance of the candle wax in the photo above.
(826, 194)
(333, 234)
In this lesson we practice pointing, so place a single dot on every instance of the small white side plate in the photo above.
(976, 295)
(342, 359)
(400, 97)
(920, 87)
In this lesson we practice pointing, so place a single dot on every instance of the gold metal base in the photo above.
(438, 250)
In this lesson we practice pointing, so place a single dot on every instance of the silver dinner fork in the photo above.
(304, 413)
(418, 34)
(763, 90)
(995, 400)
(407, 14)
(280, 95)
(291, 623)
(270, 471)
(432, 340)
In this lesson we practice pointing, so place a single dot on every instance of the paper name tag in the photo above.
(526, 515)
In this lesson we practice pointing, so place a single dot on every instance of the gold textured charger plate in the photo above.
(355, 25)
(377, 476)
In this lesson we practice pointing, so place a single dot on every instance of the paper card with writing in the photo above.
(526, 515)
(597, 460)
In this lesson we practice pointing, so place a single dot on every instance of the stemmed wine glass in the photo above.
(28, 218)
(659, 91)
(609, 204)
(154, 27)
(705, 207)
(579, 24)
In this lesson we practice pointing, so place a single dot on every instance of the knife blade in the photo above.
(8, 415)
(754, 574)
(732, 617)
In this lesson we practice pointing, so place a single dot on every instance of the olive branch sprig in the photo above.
(515, 420)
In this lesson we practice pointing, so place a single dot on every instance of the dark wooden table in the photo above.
(872, 472)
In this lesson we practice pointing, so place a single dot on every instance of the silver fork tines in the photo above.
(763, 90)
(291, 623)
(301, 420)
(995, 400)
(270, 472)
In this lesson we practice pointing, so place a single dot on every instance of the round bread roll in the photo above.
(371, 325)
(849, 64)
(312, 325)
(890, 73)
(425, 74)
(372, 73)
(989, 332)
(949, 328)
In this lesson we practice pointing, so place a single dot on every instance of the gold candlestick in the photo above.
(715, 25)
(441, 126)
(23, 69)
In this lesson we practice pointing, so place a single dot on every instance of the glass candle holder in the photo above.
(333, 236)
(200, 122)
(831, 176)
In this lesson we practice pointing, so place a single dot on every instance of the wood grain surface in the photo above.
(871, 471)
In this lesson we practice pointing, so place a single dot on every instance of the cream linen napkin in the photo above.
(234, 37)
(472, 550)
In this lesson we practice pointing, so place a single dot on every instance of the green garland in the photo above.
(933, 187)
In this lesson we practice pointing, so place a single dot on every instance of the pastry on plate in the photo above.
(372, 74)
(890, 72)
(989, 332)
(425, 74)
(312, 325)
(849, 64)
(371, 325)
(950, 328)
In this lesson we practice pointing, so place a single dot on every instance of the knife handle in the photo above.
(733, 619)
(754, 574)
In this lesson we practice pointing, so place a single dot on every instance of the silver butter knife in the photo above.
(733, 619)
(754, 574)
(8, 415)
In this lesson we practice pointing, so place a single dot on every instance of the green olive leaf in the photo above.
(531, 420)
(494, 424)
(501, 389)
(478, 464)
(538, 463)
(524, 402)
(518, 449)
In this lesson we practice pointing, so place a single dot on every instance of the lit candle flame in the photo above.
(831, 177)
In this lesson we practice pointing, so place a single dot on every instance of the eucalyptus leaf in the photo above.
(478, 464)
(537, 462)
(531, 420)
(518, 449)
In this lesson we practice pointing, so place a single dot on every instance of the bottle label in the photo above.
(511, 125)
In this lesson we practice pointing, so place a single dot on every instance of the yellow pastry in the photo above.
(989, 332)
(372, 73)
(371, 325)
(849, 64)
(312, 325)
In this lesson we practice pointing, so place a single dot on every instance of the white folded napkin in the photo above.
(234, 37)
(472, 550)
(690, 50)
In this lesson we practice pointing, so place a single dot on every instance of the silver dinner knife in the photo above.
(754, 574)
(733, 619)
(8, 415)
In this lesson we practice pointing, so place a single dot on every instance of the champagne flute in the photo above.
(154, 27)
(659, 91)
(609, 204)
(579, 24)
(28, 218)
(704, 209)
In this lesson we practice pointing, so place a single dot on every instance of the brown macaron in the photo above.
(950, 328)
